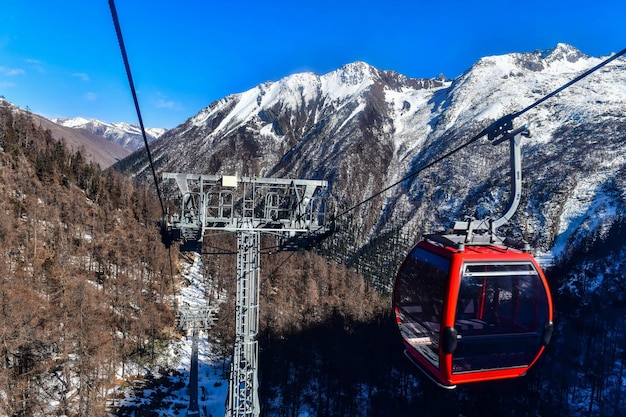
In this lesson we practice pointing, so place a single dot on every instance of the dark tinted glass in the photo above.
(418, 299)
(501, 311)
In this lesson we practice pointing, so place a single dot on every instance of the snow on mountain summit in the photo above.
(289, 94)
(349, 80)
(563, 52)
(76, 122)
(306, 95)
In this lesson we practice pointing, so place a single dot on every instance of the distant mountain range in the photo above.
(362, 129)
(101, 142)
(124, 134)
(94, 147)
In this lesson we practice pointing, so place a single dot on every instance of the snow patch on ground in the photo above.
(163, 392)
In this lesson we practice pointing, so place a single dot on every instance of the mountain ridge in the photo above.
(362, 128)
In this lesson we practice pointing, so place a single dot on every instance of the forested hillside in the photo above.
(361, 128)
(84, 278)
(86, 291)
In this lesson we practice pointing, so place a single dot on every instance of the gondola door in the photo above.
(502, 313)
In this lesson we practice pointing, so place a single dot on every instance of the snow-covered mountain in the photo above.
(337, 126)
(127, 135)
(363, 129)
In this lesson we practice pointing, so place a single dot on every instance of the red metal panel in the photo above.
(486, 253)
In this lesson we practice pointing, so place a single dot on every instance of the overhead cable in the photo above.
(120, 39)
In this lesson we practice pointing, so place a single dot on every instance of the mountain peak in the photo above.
(75, 122)
(562, 52)
(354, 73)
(358, 66)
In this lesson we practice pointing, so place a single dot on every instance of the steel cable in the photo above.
(120, 39)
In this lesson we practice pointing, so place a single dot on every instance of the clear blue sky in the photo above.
(61, 59)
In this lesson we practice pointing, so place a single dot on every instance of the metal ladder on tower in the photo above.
(243, 396)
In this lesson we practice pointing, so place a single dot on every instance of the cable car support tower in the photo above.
(293, 210)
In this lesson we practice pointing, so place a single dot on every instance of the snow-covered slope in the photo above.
(167, 395)
(338, 126)
(363, 129)
(127, 135)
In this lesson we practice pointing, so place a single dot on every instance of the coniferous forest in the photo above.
(85, 284)
(87, 293)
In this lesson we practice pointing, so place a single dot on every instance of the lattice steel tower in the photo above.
(291, 209)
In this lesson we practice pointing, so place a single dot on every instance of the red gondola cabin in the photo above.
(472, 313)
